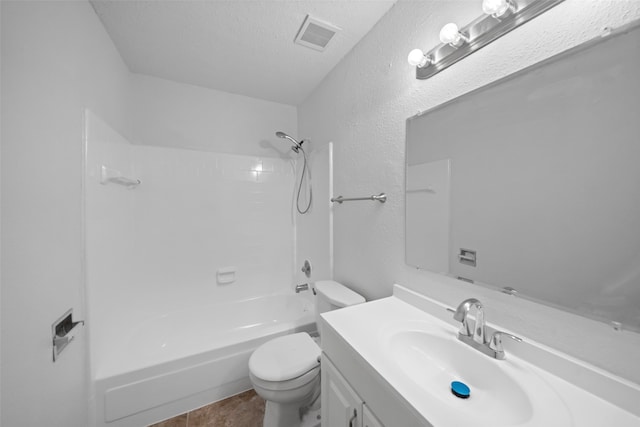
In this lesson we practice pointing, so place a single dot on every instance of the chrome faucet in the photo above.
(462, 314)
(476, 337)
(302, 287)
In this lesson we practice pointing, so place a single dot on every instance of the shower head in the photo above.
(296, 145)
(282, 135)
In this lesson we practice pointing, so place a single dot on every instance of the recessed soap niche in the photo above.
(226, 275)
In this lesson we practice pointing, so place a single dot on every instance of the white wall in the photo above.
(362, 107)
(56, 60)
(1, 134)
(314, 230)
(109, 247)
(172, 114)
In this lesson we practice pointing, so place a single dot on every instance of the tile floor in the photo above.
(242, 410)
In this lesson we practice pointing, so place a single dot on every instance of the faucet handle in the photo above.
(495, 343)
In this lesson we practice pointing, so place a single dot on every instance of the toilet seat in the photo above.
(285, 358)
(286, 385)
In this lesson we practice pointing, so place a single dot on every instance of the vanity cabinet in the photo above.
(341, 405)
(368, 419)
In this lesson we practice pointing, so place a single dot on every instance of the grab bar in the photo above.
(380, 197)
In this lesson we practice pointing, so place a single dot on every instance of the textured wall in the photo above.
(362, 106)
(172, 114)
(56, 60)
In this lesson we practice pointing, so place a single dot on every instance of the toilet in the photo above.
(286, 370)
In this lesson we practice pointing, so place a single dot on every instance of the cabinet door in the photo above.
(368, 419)
(341, 406)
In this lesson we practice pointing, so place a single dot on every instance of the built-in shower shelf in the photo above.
(114, 176)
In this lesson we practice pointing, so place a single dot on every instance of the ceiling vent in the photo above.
(315, 34)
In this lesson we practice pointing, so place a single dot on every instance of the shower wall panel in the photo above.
(161, 246)
(109, 227)
(200, 213)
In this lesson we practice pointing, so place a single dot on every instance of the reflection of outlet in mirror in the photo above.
(467, 257)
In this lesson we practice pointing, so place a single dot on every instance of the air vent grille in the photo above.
(315, 34)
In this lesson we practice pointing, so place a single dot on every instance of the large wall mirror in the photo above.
(533, 182)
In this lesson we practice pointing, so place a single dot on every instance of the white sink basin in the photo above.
(503, 392)
(433, 362)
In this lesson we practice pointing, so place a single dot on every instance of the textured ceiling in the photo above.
(238, 46)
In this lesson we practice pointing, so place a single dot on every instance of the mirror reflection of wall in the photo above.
(542, 180)
(428, 192)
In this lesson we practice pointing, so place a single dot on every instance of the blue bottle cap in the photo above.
(460, 390)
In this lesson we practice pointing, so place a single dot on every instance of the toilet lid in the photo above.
(338, 294)
(285, 357)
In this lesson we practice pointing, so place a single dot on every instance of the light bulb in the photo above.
(496, 8)
(417, 58)
(449, 34)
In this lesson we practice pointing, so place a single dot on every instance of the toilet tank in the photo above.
(331, 295)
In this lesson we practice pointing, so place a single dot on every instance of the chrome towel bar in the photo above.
(380, 197)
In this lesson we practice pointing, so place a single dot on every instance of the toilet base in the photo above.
(281, 414)
(311, 418)
(290, 414)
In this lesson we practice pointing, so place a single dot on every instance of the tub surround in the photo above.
(191, 234)
(197, 280)
(182, 361)
(353, 341)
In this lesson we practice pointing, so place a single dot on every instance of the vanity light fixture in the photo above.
(450, 34)
(497, 8)
(500, 17)
(417, 58)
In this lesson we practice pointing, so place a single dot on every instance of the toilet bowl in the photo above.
(286, 370)
(286, 373)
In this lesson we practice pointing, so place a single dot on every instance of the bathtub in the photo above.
(186, 359)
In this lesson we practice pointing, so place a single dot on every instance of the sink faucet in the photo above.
(462, 314)
(476, 337)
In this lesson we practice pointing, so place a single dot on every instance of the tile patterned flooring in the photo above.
(242, 410)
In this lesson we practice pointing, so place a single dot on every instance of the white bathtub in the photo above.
(183, 360)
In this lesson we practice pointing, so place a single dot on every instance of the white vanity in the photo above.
(391, 362)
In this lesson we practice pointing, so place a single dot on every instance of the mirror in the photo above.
(533, 182)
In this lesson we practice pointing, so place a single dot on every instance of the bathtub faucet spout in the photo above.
(302, 287)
